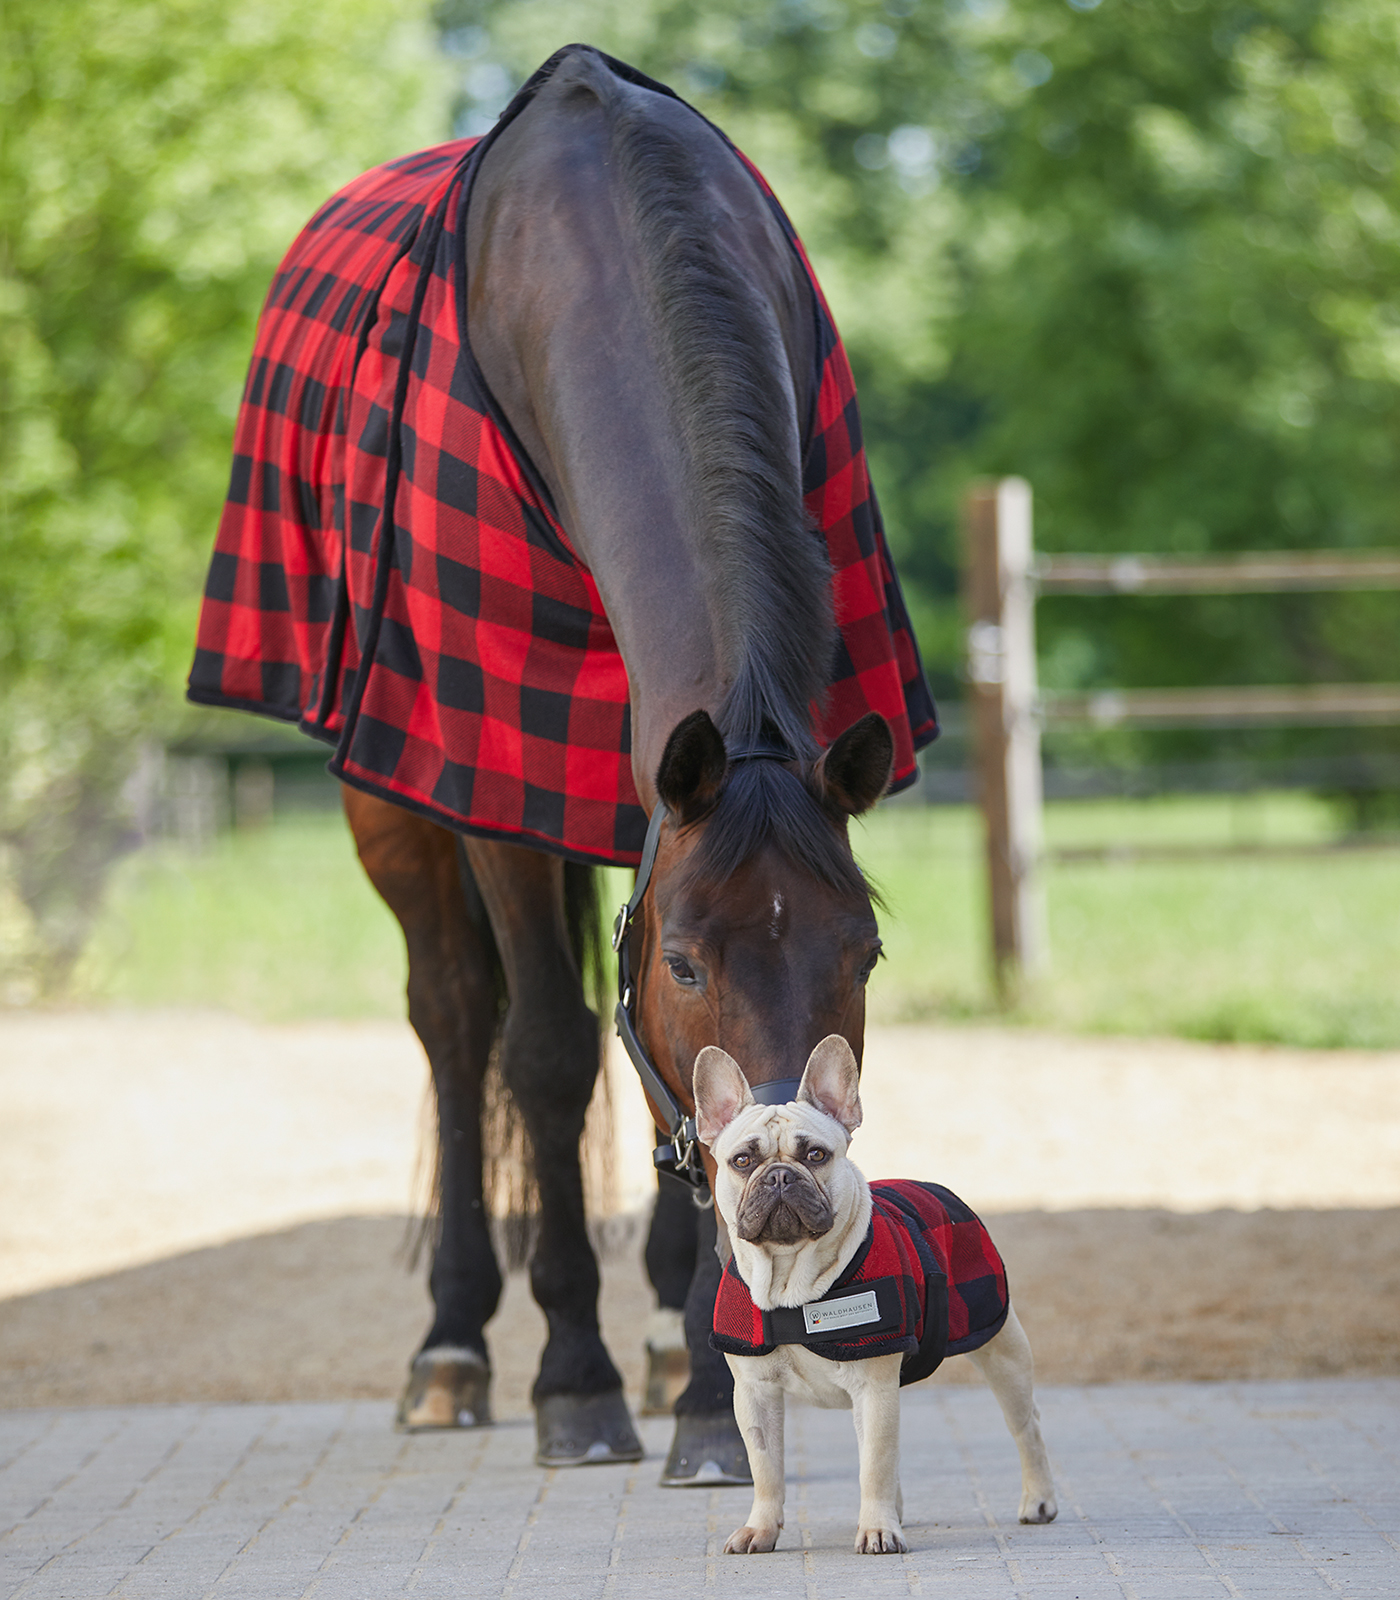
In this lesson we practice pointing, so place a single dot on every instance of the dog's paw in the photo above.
(1039, 1508)
(880, 1541)
(748, 1541)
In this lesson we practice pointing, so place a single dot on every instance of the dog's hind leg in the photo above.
(1008, 1366)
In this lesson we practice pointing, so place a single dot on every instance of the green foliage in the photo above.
(1190, 236)
(1142, 253)
(158, 157)
(1180, 315)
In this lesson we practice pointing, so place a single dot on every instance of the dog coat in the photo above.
(392, 575)
(927, 1282)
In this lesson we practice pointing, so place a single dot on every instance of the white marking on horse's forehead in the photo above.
(775, 926)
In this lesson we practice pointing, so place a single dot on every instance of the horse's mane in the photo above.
(734, 406)
(732, 397)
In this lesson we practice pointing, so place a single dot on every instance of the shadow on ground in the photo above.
(328, 1310)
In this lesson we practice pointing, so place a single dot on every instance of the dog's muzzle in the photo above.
(782, 1204)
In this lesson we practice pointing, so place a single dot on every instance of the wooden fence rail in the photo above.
(1002, 577)
(1352, 704)
(1264, 572)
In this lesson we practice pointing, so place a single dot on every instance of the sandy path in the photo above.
(195, 1206)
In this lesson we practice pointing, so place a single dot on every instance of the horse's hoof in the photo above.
(448, 1387)
(584, 1430)
(707, 1453)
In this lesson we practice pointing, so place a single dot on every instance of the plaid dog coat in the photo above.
(390, 572)
(927, 1282)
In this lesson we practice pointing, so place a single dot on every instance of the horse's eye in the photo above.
(681, 971)
(741, 1161)
(869, 966)
(815, 1157)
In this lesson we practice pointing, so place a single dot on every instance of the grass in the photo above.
(281, 924)
(1299, 950)
(277, 924)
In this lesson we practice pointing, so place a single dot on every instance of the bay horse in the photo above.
(650, 373)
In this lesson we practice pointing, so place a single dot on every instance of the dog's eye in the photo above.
(681, 971)
(815, 1157)
(741, 1161)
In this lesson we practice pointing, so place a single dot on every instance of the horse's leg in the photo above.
(549, 1060)
(670, 1263)
(707, 1449)
(417, 869)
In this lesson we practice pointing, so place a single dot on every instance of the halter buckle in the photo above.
(679, 1156)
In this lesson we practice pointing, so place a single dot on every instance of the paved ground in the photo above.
(1278, 1490)
(191, 1207)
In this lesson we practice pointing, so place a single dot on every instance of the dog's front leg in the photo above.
(758, 1409)
(875, 1404)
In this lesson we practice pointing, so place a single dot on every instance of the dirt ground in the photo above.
(193, 1207)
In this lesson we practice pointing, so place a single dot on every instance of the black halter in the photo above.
(680, 1155)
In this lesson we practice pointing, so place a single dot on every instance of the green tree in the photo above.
(1141, 251)
(1180, 315)
(158, 156)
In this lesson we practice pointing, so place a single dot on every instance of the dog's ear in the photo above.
(831, 1082)
(721, 1092)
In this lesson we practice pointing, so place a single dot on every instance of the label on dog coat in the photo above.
(852, 1312)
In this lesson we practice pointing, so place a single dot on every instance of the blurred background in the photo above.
(1143, 253)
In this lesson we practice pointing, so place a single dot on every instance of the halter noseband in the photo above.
(679, 1156)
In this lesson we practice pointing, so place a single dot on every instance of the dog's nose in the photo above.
(779, 1178)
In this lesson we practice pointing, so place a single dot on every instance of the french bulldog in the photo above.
(798, 1212)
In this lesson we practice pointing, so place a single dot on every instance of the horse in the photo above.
(646, 531)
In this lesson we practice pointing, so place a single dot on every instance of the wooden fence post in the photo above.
(999, 598)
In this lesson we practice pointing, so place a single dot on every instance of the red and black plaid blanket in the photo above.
(456, 653)
(927, 1283)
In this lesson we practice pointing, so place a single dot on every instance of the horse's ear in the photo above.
(831, 1081)
(854, 770)
(721, 1092)
(692, 768)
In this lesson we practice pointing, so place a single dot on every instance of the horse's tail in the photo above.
(508, 1167)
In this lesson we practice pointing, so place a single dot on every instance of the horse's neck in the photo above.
(565, 332)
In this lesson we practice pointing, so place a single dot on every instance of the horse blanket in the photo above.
(927, 1282)
(390, 572)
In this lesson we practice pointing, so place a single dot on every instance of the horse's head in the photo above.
(757, 932)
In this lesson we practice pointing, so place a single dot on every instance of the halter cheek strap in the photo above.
(680, 1155)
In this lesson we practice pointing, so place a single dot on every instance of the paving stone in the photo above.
(1279, 1491)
